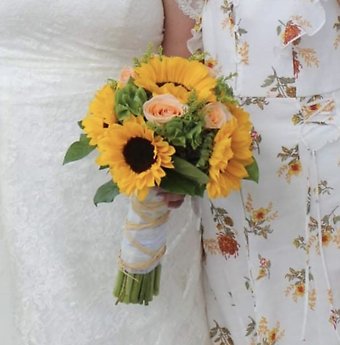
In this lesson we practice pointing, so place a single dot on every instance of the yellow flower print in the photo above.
(264, 269)
(329, 227)
(259, 219)
(326, 238)
(299, 290)
(259, 215)
(294, 168)
(292, 164)
(269, 336)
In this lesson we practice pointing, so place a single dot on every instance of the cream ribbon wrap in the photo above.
(144, 236)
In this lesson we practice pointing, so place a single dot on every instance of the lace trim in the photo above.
(191, 8)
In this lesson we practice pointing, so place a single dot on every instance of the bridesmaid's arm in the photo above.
(177, 28)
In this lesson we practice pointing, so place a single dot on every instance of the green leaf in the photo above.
(190, 171)
(278, 30)
(129, 99)
(106, 193)
(253, 171)
(269, 80)
(174, 182)
(78, 150)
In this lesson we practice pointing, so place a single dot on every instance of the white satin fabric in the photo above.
(57, 251)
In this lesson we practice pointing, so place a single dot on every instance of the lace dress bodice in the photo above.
(57, 251)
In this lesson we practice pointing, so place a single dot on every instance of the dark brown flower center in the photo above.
(139, 154)
(160, 84)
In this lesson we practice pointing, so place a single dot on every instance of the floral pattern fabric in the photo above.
(272, 251)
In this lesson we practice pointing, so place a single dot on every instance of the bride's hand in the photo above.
(173, 200)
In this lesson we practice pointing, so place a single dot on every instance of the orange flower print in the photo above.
(326, 238)
(264, 269)
(273, 335)
(228, 245)
(259, 219)
(297, 280)
(289, 32)
(259, 215)
(225, 239)
(292, 165)
(295, 168)
(299, 289)
(313, 106)
(269, 336)
(296, 64)
(329, 226)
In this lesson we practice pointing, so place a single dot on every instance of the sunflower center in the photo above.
(174, 83)
(139, 154)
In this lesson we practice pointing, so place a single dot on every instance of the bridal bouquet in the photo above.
(168, 124)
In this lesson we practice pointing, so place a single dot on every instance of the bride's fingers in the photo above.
(175, 204)
(173, 200)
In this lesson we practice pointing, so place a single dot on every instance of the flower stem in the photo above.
(137, 288)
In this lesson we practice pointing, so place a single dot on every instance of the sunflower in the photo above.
(136, 156)
(100, 114)
(231, 154)
(176, 76)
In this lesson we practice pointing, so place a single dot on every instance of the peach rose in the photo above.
(216, 114)
(162, 108)
(125, 75)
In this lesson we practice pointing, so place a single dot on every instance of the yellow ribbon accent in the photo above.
(142, 209)
(141, 266)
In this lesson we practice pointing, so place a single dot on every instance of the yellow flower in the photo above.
(231, 154)
(273, 336)
(259, 215)
(295, 168)
(262, 273)
(100, 115)
(136, 156)
(326, 238)
(299, 289)
(176, 76)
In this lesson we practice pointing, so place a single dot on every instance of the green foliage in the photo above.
(253, 171)
(129, 100)
(106, 193)
(174, 182)
(188, 170)
(224, 91)
(113, 84)
(205, 151)
(198, 56)
(78, 150)
(137, 62)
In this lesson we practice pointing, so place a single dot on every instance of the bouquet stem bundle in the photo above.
(142, 248)
(137, 288)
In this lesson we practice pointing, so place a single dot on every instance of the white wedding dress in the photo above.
(57, 250)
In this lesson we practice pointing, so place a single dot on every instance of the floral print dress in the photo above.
(272, 251)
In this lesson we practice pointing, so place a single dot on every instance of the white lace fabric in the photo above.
(58, 251)
(191, 8)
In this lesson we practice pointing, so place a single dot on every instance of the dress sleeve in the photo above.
(191, 8)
